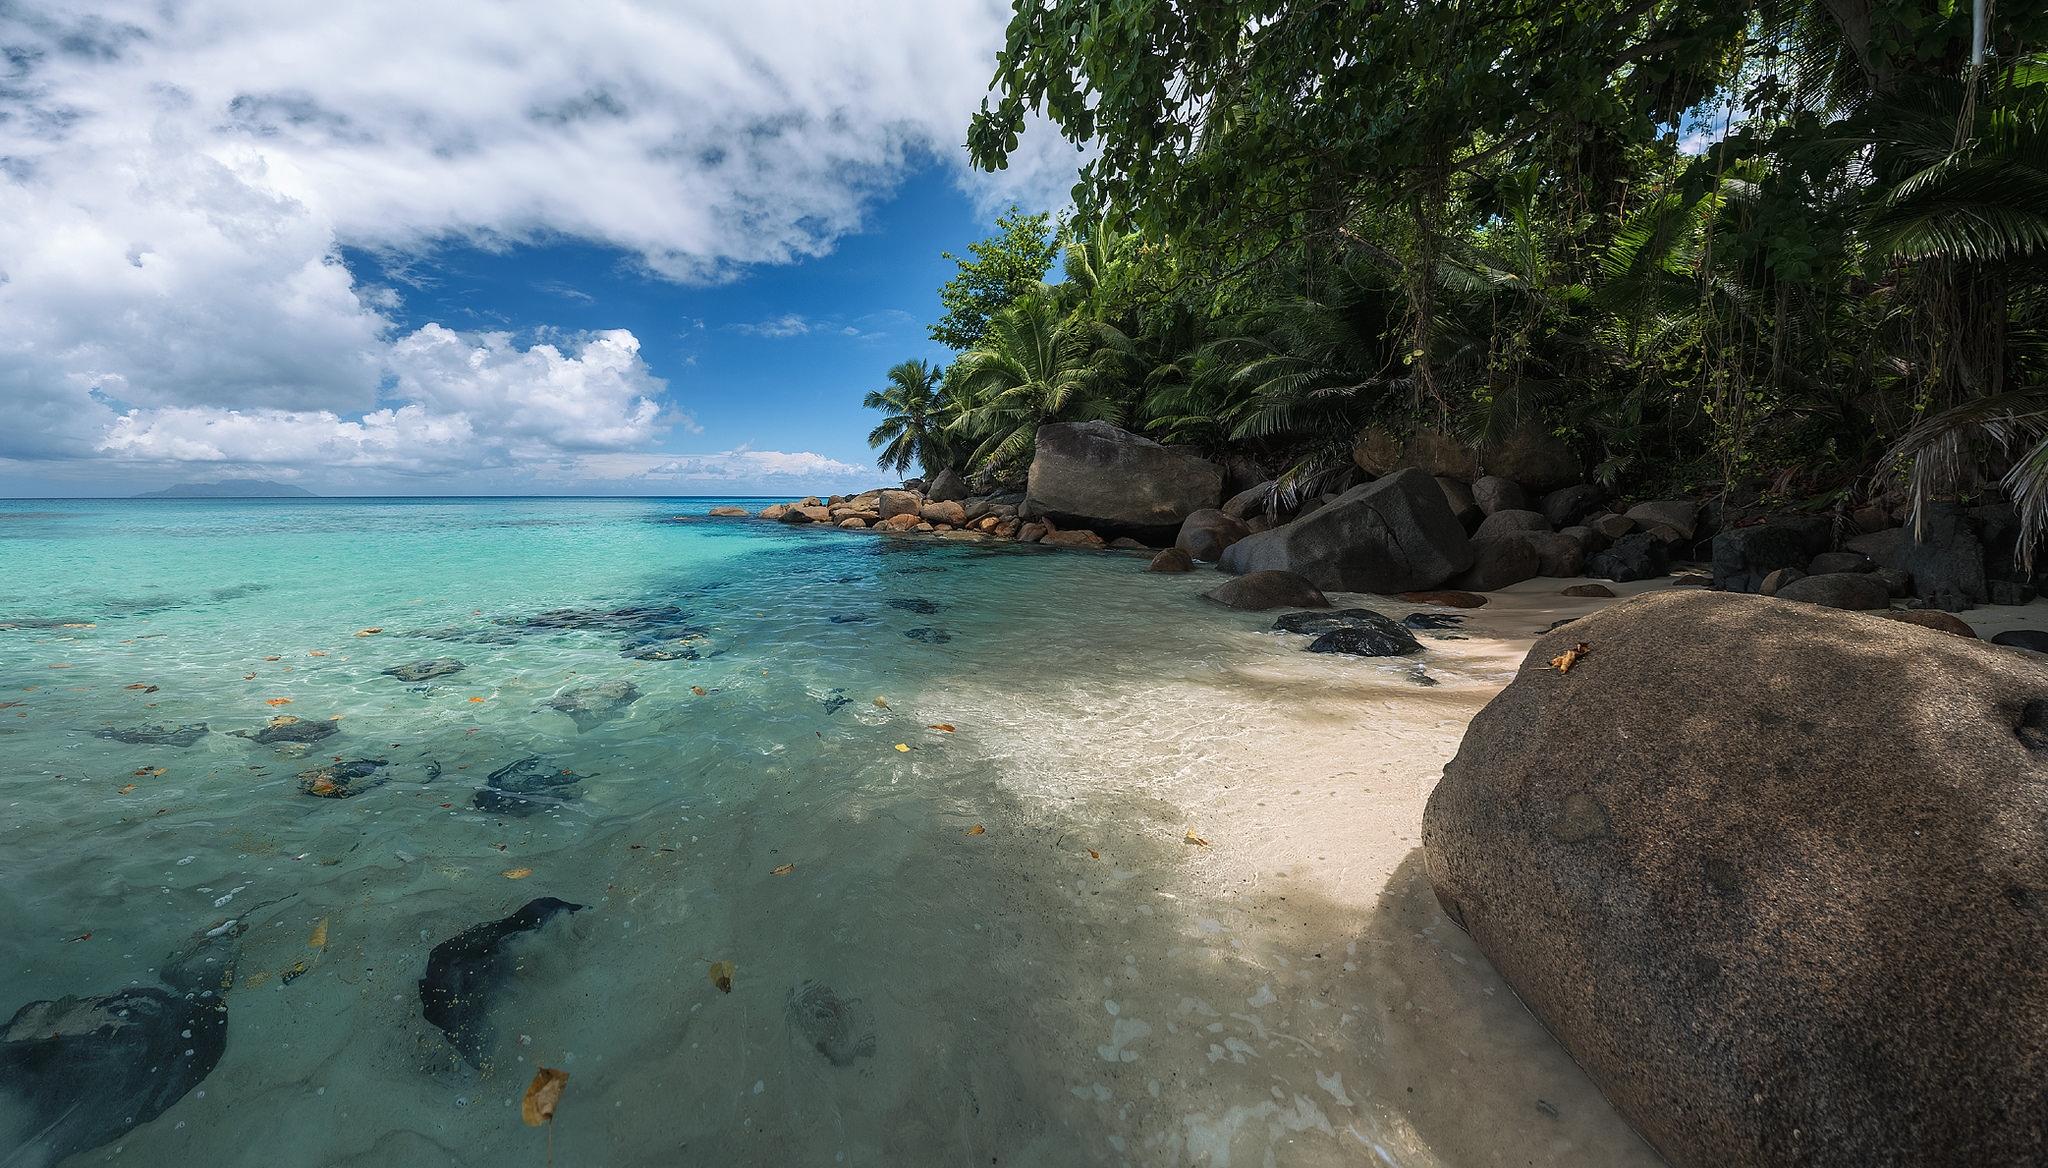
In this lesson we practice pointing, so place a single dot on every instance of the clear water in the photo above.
(1075, 983)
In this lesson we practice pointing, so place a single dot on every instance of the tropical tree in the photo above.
(996, 271)
(914, 418)
(1037, 364)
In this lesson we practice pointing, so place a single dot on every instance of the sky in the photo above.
(480, 246)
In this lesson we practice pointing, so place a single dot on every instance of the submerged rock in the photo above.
(1790, 911)
(287, 729)
(341, 780)
(155, 735)
(930, 636)
(465, 971)
(78, 1073)
(527, 786)
(1172, 559)
(592, 705)
(1432, 620)
(1385, 639)
(916, 604)
(838, 1028)
(1314, 624)
(1257, 591)
(426, 670)
(852, 618)
(835, 701)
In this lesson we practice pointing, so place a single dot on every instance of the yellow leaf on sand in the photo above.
(319, 938)
(277, 701)
(946, 727)
(126, 789)
(721, 975)
(785, 870)
(904, 747)
(698, 690)
(881, 703)
(542, 1095)
(370, 632)
(977, 829)
(1093, 854)
(1196, 840)
(516, 873)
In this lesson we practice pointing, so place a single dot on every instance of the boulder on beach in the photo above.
(1076, 538)
(1680, 515)
(1499, 560)
(948, 512)
(1589, 592)
(2033, 640)
(1459, 498)
(1849, 590)
(947, 486)
(1094, 475)
(1930, 618)
(1495, 494)
(1640, 556)
(1533, 457)
(1790, 911)
(1172, 559)
(1567, 506)
(1743, 556)
(1258, 591)
(1253, 500)
(1828, 563)
(1390, 535)
(890, 504)
(1446, 598)
(902, 521)
(1358, 632)
(773, 511)
(728, 511)
(1207, 532)
(1508, 522)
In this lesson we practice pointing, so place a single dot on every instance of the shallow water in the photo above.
(1074, 983)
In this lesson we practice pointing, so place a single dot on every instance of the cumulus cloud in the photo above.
(788, 324)
(178, 178)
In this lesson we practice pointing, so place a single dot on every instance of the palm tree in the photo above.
(1037, 365)
(914, 417)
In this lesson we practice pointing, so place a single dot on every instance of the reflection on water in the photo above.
(931, 803)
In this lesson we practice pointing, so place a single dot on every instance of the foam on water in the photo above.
(1075, 983)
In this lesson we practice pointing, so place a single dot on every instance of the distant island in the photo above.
(230, 489)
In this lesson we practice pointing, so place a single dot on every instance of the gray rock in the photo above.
(1640, 556)
(1315, 624)
(890, 504)
(1502, 522)
(1395, 534)
(947, 486)
(1533, 457)
(1249, 502)
(1779, 579)
(2010, 591)
(151, 734)
(1500, 560)
(1111, 481)
(286, 728)
(1558, 554)
(1207, 532)
(1459, 497)
(1390, 640)
(1571, 505)
(1495, 494)
(426, 670)
(1828, 563)
(593, 705)
(1788, 911)
(1172, 559)
(1257, 591)
(1612, 526)
(1896, 581)
(1743, 556)
(2032, 640)
(1589, 541)
(1680, 515)
(1848, 590)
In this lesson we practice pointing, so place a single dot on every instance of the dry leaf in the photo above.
(542, 1095)
(144, 686)
(945, 726)
(370, 632)
(698, 690)
(248, 677)
(60, 665)
(881, 703)
(149, 772)
(721, 975)
(316, 652)
(785, 870)
(1093, 854)
(977, 829)
(273, 658)
(904, 747)
(319, 938)
(1564, 661)
(476, 699)
(277, 701)
(1198, 841)
(516, 873)
(126, 789)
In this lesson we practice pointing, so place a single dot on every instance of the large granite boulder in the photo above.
(1850, 590)
(1494, 494)
(1503, 522)
(1461, 501)
(1258, 591)
(1533, 457)
(1944, 557)
(1776, 876)
(1500, 560)
(1207, 532)
(1680, 515)
(1567, 506)
(1743, 556)
(1094, 475)
(890, 504)
(1253, 500)
(1394, 534)
(1641, 556)
(947, 487)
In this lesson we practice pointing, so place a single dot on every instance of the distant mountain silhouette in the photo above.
(230, 489)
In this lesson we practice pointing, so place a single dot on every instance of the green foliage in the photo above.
(912, 429)
(998, 270)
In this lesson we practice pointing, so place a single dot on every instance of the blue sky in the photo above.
(479, 246)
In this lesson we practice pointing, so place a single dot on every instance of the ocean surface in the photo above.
(955, 815)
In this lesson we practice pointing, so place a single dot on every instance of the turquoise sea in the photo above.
(1019, 857)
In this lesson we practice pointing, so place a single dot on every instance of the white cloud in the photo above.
(788, 324)
(177, 180)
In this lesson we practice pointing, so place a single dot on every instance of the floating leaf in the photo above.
(319, 938)
(538, 1107)
(516, 873)
(370, 632)
(316, 652)
(698, 690)
(293, 974)
(785, 870)
(248, 677)
(1564, 661)
(126, 789)
(149, 772)
(945, 726)
(277, 701)
(881, 703)
(721, 975)
(144, 686)
(476, 699)
(1198, 841)
(977, 829)
(904, 747)
(273, 658)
